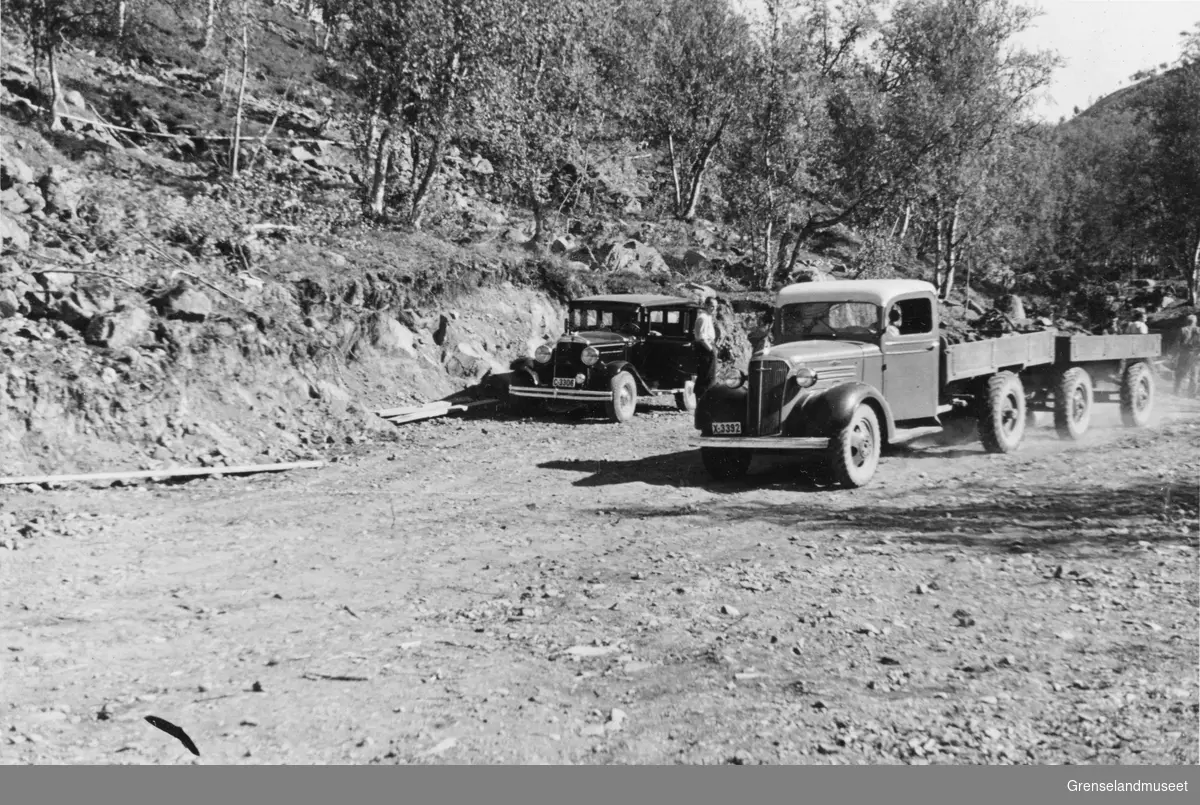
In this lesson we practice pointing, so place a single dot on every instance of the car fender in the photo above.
(720, 404)
(832, 409)
(611, 370)
(525, 368)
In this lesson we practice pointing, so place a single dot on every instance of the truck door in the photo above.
(910, 359)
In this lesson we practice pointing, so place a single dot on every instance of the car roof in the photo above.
(642, 299)
(880, 292)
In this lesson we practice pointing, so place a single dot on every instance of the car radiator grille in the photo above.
(566, 359)
(767, 380)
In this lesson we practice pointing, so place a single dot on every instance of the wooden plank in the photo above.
(163, 473)
(415, 409)
(417, 413)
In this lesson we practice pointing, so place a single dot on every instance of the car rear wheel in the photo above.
(623, 403)
(724, 464)
(686, 400)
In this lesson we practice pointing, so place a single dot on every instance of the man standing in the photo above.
(1138, 324)
(704, 335)
(1187, 350)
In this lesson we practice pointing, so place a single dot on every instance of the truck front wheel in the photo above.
(1137, 395)
(854, 450)
(724, 464)
(1002, 417)
(1073, 403)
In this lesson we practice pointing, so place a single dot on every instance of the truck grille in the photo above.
(767, 380)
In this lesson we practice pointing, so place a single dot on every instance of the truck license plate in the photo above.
(564, 382)
(726, 428)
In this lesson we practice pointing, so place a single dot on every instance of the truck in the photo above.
(851, 367)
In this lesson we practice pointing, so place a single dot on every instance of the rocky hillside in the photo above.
(154, 312)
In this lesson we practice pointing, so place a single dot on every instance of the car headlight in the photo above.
(732, 377)
(542, 354)
(590, 356)
(805, 377)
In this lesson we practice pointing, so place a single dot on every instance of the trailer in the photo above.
(854, 366)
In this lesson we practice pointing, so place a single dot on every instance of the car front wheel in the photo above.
(623, 403)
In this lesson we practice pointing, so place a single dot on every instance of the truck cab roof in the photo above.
(879, 292)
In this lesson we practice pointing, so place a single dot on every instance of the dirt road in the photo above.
(565, 590)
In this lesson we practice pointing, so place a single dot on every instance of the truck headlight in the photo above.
(732, 377)
(590, 356)
(542, 354)
(805, 377)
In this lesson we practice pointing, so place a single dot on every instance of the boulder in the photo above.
(187, 304)
(61, 191)
(301, 154)
(390, 335)
(13, 170)
(122, 327)
(695, 259)
(11, 234)
(11, 201)
(30, 194)
(81, 305)
(482, 166)
(563, 244)
(633, 256)
(10, 305)
(75, 98)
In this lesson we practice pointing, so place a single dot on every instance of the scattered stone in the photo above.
(123, 327)
(590, 651)
(616, 720)
(12, 234)
(726, 609)
(187, 304)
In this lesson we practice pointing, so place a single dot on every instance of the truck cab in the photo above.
(862, 354)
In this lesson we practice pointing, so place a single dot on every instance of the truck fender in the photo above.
(832, 410)
(720, 404)
(616, 367)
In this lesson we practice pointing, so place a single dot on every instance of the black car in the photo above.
(615, 348)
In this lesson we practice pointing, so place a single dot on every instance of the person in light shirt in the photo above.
(1137, 326)
(704, 335)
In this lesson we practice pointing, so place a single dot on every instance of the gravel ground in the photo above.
(564, 590)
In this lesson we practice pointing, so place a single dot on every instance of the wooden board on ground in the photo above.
(414, 413)
(173, 472)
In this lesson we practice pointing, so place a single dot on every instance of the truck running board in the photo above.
(903, 435)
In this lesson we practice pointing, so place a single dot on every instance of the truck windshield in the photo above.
(590, 318)
(808, 320)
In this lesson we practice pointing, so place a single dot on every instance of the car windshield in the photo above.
(591, 318)
(809, 320)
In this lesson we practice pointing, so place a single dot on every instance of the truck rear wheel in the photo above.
(623, 403)
(1073, 399)
(854, 450)
(724, 464)
(1137, 395)
(1002, 417)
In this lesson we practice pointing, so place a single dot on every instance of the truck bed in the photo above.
(1022, 350)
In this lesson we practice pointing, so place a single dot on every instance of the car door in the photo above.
(670, 359)
(910, 360)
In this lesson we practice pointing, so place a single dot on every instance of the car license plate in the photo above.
(564, 382)
(726, 428)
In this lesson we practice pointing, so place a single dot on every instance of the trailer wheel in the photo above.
(854, 450)
(1002, 418)
(623, 403)
(686, 400)
(1073, 399)
(724, 464)
(1137, 395)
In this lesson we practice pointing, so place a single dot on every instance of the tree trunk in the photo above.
(675, 172)
(768, 263)
(56, 93)
(237, 123)
(1194, 279)
(383, 164)
(210, 24)
(122, 8)
(421, 192)
(951, 257)
(689, 211)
